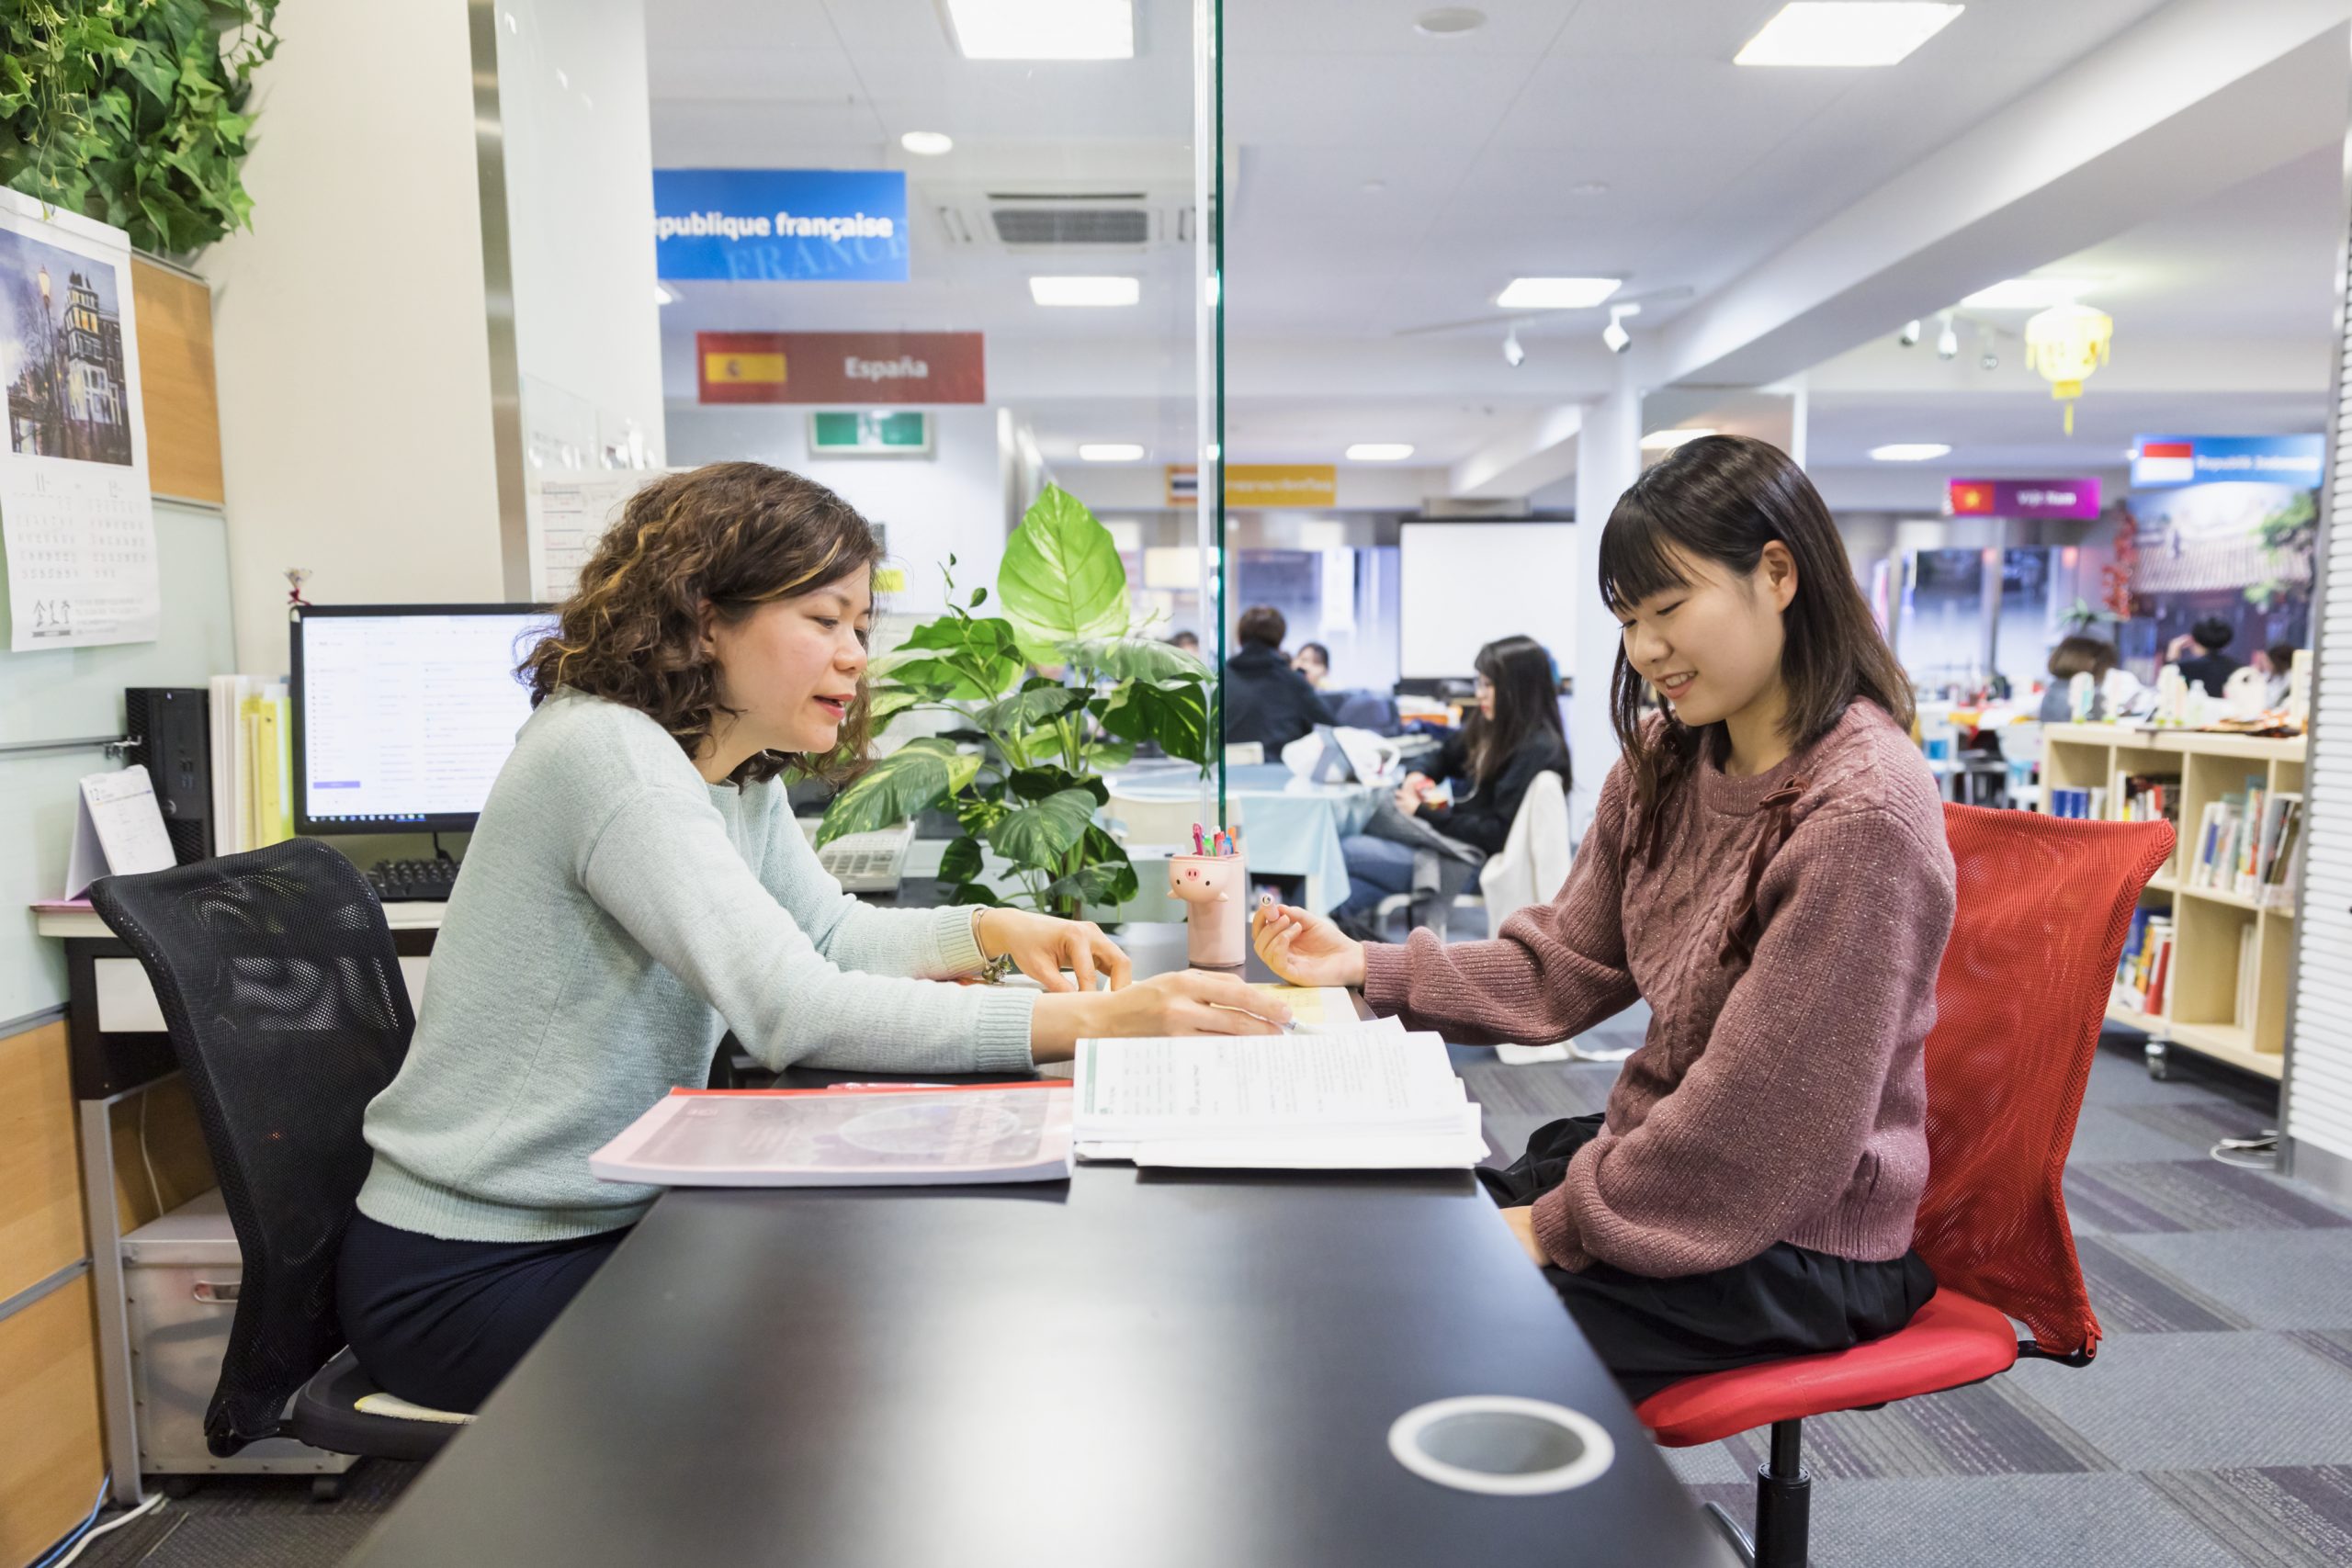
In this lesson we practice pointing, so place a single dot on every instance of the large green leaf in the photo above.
(1173, 713)
(1108, 877)
(1041, 832)
(1034, 703)
(885, 702)
(960, 862)
(917, 776)
(1036, 784)
(1134, 659)
(957, 656)
(1061, 581)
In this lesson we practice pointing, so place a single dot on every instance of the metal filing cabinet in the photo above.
(180, 1278)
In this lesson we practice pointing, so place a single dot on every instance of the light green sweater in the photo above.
(615, 916)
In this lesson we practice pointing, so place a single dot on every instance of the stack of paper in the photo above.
(1372, 1098)
(868, 1135)
(253, 785)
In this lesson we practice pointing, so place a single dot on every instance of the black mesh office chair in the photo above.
(283, 995)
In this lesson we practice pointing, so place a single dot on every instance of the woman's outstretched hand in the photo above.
(1307, 949)
(1041, 947)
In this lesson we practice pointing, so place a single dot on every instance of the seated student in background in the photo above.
(1767, 866)
(1188, 641)
(2075, 656)
(1314, 661)
(1489, 762)
(2202, 655)
(1266, 700)
(2276, 663)
(635, 888)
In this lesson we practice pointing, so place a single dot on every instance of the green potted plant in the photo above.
(1052, 691)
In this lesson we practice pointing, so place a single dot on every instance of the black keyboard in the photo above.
(398, 881)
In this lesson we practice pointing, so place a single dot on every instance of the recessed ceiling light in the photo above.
(1449, 22)
(1558, 293)
(1044, 29)
(1109, 452)
(661, 295)
(1379, 452)
(1908, 452)
(1667, 440)
(927, 144)
(1846, 32)
(2026, 293)
(1085, 290)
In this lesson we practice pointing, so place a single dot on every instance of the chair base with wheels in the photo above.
(342, 1411)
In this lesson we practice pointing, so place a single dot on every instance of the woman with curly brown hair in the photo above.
(635, 888)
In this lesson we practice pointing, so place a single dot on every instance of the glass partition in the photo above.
(961, 268)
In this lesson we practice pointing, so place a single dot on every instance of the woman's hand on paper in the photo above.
(1041, 947)
(1306, 948)
(1190, 1001)
(1523, 1226)
(1409, 796)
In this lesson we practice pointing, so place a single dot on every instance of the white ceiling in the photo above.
(1381, 181)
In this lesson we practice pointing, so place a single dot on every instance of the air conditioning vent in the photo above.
(1071, 225)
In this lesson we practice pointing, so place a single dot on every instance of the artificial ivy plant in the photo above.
(1021, 769)
(133, 111)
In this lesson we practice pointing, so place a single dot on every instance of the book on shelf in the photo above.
(1366, 1099)
(2144, 970)
(2275, 881)
(253, 784)
(2150, 797)
(852, 1135)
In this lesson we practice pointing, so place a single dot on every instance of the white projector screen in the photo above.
(1464, 584)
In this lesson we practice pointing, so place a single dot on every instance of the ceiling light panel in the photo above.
(927, 144)
(1558, 293)
(1109, 452)
(1085, 291)
(1379, 452)
(1042, 29)
(1908, 452)
(1846, 32)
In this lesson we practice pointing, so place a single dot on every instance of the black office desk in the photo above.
(1126, 1370)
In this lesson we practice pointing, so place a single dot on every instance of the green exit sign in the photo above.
(841, 433)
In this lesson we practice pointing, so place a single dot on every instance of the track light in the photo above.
(1513, 355)
(1614, 334)
(1991, 361)
(1947, 340)
(1909, 337)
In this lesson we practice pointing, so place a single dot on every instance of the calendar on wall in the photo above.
(76, 519)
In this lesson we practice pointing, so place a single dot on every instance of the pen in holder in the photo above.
(1216, 918)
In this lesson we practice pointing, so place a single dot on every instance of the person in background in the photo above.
(1188, 642)
(2276, 662)
(1314, 661)
(2075, 656)
(1767, 866)
(1266, 700)
(638, 888)
(2200, 655)
(1489, 761)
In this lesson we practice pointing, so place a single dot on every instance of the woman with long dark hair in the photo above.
(1513, 735)
(637, 888)
(1767, 868)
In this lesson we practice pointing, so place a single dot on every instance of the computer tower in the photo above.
(171, 734)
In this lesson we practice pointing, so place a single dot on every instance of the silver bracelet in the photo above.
(995, 968)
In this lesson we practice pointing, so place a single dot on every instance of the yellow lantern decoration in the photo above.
(2066, 343)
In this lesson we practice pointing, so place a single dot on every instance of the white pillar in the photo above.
(1609, 458)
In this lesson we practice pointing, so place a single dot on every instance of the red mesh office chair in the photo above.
(2044, 906)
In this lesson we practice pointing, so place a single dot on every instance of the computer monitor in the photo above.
(404, 714)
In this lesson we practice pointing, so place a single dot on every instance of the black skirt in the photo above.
(1785, 1300)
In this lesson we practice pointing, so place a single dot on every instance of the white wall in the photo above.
(571, 99)
(950, 501)
(349, 335)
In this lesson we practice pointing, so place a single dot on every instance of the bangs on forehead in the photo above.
(1637, 557)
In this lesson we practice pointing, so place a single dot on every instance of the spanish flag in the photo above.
(723, 369)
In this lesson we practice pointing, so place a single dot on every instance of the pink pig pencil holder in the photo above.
(1216, 918)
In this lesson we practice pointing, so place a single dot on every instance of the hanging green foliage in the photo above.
(133, 111)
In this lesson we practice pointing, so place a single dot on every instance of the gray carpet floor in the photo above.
(2214, 1432)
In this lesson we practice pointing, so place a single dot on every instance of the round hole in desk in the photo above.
(1501, 1445)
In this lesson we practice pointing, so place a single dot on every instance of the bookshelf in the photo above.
(2209, 922)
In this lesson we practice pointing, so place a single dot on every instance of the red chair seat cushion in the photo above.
(1954, 1340)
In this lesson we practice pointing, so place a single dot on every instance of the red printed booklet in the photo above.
(864, 1135)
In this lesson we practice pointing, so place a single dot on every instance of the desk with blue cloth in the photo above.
(1289, 828)
(1131, 1369)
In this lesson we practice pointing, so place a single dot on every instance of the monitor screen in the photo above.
(404, 714)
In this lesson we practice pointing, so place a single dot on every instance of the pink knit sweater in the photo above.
(1779, 1096)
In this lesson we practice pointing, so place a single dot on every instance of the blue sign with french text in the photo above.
(2159, 461)
(781, 225)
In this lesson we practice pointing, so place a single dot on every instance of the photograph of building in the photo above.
(61, 355)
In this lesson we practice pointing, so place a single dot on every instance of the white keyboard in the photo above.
(865, 863)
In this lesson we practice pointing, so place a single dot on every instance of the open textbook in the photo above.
(1366, 1099)
(864, 1135)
